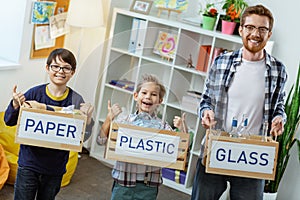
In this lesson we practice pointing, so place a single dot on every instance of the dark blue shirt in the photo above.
(44, 160)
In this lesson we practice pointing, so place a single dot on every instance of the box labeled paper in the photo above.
(50, 129)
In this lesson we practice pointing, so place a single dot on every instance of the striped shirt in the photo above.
(220, 77)
(127, 174)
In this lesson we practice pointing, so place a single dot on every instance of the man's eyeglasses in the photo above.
(57, 68)
(251, 29)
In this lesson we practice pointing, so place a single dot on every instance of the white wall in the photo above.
(30, 72)
(10, 35)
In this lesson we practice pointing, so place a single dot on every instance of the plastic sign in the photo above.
(143, 144)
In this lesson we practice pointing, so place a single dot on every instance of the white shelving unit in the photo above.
(177, 78)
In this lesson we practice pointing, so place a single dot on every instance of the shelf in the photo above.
(120, 64)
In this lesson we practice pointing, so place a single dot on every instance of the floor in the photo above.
(92, 181)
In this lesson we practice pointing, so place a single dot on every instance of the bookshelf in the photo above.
(122, 62)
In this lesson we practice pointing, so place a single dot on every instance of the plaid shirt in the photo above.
(125, 173)
(220, 77)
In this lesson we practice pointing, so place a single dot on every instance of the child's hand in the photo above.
(87, 109)
(18, 98)
(113, 111)
(179, 122)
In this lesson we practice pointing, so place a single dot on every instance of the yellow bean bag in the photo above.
(4, 167)
(11, 149)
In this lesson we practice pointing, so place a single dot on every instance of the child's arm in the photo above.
(179, 122)
(12, 110)
(87, 109)
(18, 98)
(113, 111)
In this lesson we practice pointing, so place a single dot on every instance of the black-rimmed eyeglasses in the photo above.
(251, 29)
(57, 68)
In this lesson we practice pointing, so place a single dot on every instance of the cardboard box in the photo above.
(178, 176)
(253, 156)
(50, 129)
(147, 146)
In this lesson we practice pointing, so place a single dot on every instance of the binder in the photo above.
(133, 35)
(203, 58)
(141, 36)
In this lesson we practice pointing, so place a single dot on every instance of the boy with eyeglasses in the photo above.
(247, 81)
(40, 169)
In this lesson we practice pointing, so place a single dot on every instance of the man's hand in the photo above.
(277, 126)
(208, 119)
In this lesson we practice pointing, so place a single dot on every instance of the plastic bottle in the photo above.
(243, 131)
(265, 131)
(234, 129)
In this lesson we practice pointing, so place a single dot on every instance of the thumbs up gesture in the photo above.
(18, 98)
(179, 122)
(113, 110)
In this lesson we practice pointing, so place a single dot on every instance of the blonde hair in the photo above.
(146, 78)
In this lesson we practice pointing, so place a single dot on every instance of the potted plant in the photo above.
(233, 10)
(209, 16)
(287, 139)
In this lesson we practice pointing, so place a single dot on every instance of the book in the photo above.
(125, 84)
(196, 21)
(190, 103)
(194, 93)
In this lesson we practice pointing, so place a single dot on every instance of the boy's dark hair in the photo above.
(258, 10)
(146, 78)
(63, 55)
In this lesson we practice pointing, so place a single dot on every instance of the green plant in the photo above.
(287, 139)
(233, 9)
(210, 10)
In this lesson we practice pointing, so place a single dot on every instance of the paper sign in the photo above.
(50, 128)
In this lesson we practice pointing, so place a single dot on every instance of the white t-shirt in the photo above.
(246, 95)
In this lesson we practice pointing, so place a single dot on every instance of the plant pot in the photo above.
(228, 27)
(270, 196)
(208, 23)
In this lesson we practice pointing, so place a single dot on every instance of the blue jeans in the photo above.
(139, 192)
(30, 185)
(211, 186)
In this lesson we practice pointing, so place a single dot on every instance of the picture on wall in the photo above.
(166, 44)
(141, 6)
(42, 11)
(172, 4)
(58, 25)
